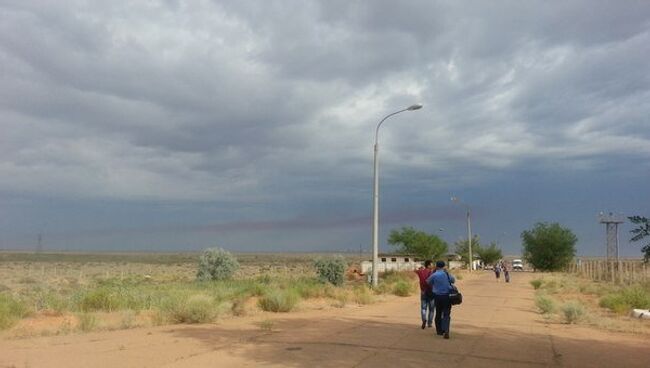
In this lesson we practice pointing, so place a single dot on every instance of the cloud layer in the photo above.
(268, 108)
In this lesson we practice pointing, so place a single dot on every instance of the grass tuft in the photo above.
(403, 288)
(281, 301)
(545, 304)
(195, 309)
(11, 310)
(625, 299)
(86, 322)
(573, 311)
(537, 283)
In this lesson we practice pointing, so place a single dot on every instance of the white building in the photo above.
(393, 262)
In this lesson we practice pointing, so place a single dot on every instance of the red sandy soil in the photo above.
(496, 326)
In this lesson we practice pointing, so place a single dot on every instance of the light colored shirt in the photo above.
(439, 282)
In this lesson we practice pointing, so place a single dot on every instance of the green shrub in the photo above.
(331, 270)
(573, 311)
(545, 304)
(402, 288)
(537, 283)
(11, 311)
(195, 309)
(279, 300)
(99, 299)
(216, 264)
(623, 300)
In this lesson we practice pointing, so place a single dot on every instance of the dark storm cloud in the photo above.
(271, 105)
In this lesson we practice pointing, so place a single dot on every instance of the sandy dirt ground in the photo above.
(496, 326)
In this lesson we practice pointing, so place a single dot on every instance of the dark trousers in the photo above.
(443, 313)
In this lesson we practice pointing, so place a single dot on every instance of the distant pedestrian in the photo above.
(506, 272)
(497, 270)
(426, 294)
(440, 282)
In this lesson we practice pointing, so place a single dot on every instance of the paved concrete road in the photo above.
(495, 327)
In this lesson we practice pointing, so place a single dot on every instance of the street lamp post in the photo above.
(469, 231)
(375, 195)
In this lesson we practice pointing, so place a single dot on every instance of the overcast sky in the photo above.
(179, 125)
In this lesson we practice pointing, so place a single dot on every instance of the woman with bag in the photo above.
(442, 285)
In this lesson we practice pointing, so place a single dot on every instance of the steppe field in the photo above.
(148, 310)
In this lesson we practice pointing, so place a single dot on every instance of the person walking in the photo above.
(440, 282)
(506, 272)
(497, 270)
(426, 294)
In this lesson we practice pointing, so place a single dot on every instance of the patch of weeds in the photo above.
(195, 309)
(537, 283)
(65, 327)
(127, 320)
(573, 311)
(551, 286)
(363, 295)
(340, 299)
(402, 288)
(11, 310)
(544, 304)
(625, 299)
(99, 299)
(310, 288)
(158, 318)
(281, 301)
(238, 307)
(86, 322)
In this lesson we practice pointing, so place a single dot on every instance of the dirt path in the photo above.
(495, 327)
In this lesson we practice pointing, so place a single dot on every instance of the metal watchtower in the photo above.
(611, 222)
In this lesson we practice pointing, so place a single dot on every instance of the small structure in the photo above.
(393, 262)
(455, 261)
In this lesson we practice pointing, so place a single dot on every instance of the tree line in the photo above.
(546, 246)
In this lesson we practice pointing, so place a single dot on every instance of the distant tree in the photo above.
(490, 255)
(549, 247)
(640, 232)
(411, 241)
(461, 247)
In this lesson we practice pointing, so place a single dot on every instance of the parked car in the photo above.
(517, 265)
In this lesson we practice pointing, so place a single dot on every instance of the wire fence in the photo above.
(622, 271)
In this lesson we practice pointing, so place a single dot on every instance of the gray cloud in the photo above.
(273, 104)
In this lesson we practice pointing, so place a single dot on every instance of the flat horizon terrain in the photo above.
(496, 326)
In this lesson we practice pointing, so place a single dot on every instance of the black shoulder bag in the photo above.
(455, 297)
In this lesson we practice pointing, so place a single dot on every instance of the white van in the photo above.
(517, 265)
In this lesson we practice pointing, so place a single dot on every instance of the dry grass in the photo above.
(599, 304)
(120, 291)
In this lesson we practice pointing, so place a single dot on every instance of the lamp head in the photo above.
(414, 107)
